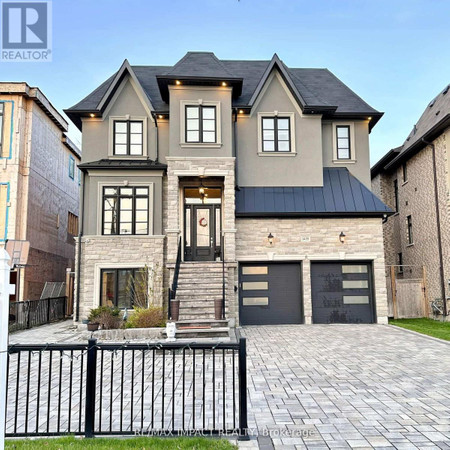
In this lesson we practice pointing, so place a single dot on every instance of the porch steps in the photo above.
(199, 285)
(201, 328)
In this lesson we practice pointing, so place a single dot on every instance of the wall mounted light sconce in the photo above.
(270, 239)
(342, 237)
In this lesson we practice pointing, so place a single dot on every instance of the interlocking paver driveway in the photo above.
(348, 386)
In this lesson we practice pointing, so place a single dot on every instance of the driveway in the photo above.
(348, 386)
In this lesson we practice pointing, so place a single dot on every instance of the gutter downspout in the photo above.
(80, 235)
(236, 181)
(438, 220)
(157, 137)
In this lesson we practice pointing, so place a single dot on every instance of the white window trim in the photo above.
(111, 154)
(151, 190)
(352, 159)
(291, 116)
(105, 265)
(200, 102)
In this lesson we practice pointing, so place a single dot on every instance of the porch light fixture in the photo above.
(223, 83)
(270, 239)
(342, 237)
(178, 82)
(92, 115)
(241, 111)
(201, 191)
(160, 116)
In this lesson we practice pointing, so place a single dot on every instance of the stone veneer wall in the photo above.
(117, 252)
(364, 241)
(416, 198)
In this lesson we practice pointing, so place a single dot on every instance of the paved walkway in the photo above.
(334, 386)
(348, 386)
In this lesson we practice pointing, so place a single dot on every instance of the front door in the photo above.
(202, 232)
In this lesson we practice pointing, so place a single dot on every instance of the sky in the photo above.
(392, 53)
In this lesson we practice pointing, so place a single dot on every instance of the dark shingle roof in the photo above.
(318, 87)
(341, 195)
(144, 164)
(433, 121)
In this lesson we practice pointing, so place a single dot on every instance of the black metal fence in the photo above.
(97, 389)
(31, 313)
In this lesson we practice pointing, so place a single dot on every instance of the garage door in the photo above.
(270, 294)
(342, 293)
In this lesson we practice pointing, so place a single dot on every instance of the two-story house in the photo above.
(255, 174)
(39, 187)
(413, 180)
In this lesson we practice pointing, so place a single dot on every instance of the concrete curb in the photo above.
(395, 327)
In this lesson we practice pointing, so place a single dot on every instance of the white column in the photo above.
(5, 291)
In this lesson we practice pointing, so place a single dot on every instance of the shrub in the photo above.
(150, 317)
(108, 318)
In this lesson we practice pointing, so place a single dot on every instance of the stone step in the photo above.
(196, 291)
(201, 323)
(203, 333)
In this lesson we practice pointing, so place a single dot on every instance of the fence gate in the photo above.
(407, 296)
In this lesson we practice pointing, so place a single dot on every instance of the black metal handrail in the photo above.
(173, 288)
(127, 388)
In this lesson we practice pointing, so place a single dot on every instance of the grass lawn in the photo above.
(430, 327)
(141, 443)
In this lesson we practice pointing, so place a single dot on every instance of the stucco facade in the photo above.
(36, 156)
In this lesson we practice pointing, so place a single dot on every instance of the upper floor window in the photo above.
(410, 230)
(4, 200)
(276, 134)
(201, 124)
(71, 167)
(128, 138)
(343, 148)
(1, 127)
(396, 195)
(405, 172)
(125, 210)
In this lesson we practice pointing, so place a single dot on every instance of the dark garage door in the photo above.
(342, 293)
(270, 294)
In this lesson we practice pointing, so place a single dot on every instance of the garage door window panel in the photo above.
(257, 270)
(356, 299)
(355, 284)
(255, 301)
(255, 285)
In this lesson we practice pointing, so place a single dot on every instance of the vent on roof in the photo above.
(431, 103)
(446, 90)
(437, 112)
(414, 129)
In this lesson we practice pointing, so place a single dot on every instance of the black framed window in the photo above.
(343, 144)
(400, 262)
(201, 124)
(410, 229)
(396, 195)
(405, 173)
(276, 134)
(125, 210)
(122, 288)
(1, 127)
(128, 137)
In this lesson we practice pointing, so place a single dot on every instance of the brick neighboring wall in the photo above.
(364, 241)
(112, 252)
(417, 198)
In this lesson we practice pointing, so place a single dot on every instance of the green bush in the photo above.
(96, 312)
(150, 317)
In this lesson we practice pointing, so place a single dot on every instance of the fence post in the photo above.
(48, 310)
(91, 380)
(5, 291)
(243, 426)
(27, 307)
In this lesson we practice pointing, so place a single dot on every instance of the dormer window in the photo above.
(128, 138)
(276, 134)
(201, 124)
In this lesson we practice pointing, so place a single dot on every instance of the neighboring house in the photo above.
(39, 186)
(414, 180)
(264, 166)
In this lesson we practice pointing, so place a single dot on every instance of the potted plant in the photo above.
(218, 308)
(93, 322)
